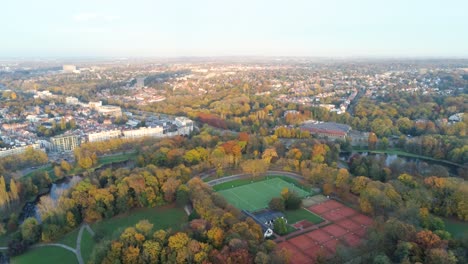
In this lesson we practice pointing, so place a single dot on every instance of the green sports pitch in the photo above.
(257, 195)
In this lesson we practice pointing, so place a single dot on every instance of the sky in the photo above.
(175, 28)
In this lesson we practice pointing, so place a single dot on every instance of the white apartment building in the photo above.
(110, 110)
(64, 143)
(71, 100)
(95, 105)
(68, 68)
(184, 125)
(104, 135)
(18, 150)
(144, 132)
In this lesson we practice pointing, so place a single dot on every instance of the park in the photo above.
(73, 246)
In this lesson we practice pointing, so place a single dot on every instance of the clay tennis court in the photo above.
(348, 228)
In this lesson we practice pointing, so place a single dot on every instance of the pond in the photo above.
(410, 165)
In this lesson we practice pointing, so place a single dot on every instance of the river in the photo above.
(31, 209)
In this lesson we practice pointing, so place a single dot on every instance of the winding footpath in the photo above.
(76, 251)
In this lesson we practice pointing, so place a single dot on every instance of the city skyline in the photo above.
(143, 28)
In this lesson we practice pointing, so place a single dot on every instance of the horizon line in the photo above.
(329, 57)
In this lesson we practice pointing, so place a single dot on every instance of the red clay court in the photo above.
(348, 228)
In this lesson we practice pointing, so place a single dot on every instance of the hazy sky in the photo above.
(395, 28)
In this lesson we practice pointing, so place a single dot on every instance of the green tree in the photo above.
(280, 227)
(30, 230)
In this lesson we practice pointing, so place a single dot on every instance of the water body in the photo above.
(418, 164)
(31, 209)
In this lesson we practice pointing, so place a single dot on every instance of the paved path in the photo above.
(55, 245)
(76, 251)
(89, 229)
(78, 245)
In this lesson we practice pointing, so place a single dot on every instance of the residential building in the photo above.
(18, 150)
(95, 105)
(68, 68)
(104, 135)
(71, 100)
(110, 110)
(144, 132)
(64, 143)
(185, 125)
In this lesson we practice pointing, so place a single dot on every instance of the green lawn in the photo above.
(256, 195)
(290, 229)
(45, 255)
(455, 227)
(302, 214)
(161, 218)
(69, 239)
(87, 245)
(241, 182)
(48, 168)
(116, 158)
(4, 241)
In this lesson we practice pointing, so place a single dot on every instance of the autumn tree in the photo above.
(4, 197)
(372, 141)
(254, 167)
(216, 236)
(169, 188)
(269, 154)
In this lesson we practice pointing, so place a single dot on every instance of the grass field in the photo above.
(256, 195)
(47, 168)
(241, 182)
(69, 239)
(87, 245)
(45, 255)
(161, 218)
(4, 241)
(117, 158)
(455, 227)
(302, 214)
